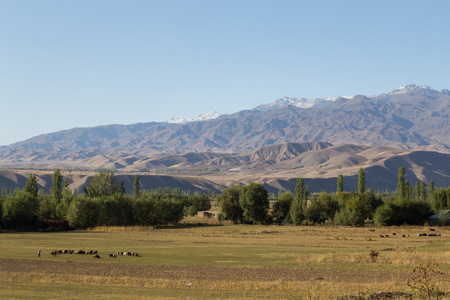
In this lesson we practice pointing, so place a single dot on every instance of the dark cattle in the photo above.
(95, 252)
(96, 256)
(111, 255)
(393, 233)
(381, 235)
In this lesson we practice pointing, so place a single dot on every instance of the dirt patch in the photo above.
(210, 273)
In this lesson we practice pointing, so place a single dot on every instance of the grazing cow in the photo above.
(387, 235)
(95, 252)
(393, 233)
(403, 235)
(381, 235)
(372, 230)
(111, 255)
(114, 256)
(96, 256)
(70, 251)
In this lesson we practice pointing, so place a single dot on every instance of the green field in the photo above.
(219, 262)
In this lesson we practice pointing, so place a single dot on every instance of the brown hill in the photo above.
(277, 166)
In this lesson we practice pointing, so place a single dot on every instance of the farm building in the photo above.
(440, 216)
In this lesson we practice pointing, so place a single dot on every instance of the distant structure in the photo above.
(440, 216)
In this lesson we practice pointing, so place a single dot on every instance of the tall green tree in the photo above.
(417, 190)
(282, 206)
(104, 184)
(31, 185)
(301, 191)
(298, 206)
(361, 182)
(340, 184)
(56, 189)
(401, 184)
(423, 191)
(254, 201)
(136, 187)
(431, 188)
(230, 208)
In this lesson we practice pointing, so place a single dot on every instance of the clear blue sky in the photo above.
(67, 64)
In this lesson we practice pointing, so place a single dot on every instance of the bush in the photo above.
(410, 212)
(348, 217)
(84, 212)
(201, 203)
(20, 209)
(116, 210)
(281, 207)
(322, 209)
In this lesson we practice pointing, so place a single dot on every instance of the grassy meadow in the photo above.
(220, 262)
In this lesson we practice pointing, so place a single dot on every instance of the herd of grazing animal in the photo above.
(407, 235)
(94, 253)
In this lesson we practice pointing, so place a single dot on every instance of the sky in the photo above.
(67, 64)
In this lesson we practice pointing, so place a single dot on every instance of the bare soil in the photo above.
(210, 273)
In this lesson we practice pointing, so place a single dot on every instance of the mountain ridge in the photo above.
(413, 117)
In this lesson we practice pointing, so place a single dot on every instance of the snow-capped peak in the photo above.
(408, 88)
(203, 117)
(298, 102)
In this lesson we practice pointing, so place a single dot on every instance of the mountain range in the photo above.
(398, 126)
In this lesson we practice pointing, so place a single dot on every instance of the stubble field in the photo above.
(220, 262)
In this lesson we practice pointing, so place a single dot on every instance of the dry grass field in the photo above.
(222, 262)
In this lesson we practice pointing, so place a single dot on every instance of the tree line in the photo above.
(105, 202)
(407, 205)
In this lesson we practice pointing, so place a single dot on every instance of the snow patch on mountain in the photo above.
(407, 89)
(203, 117)
(297, 102)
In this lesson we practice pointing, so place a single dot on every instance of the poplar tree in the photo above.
(136, 187)
(423, 191)
(361, 182)
(340, 184)
(417, 190)
(401, 185)
(56, 187)
(31, 185)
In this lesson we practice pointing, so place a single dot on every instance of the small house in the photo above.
(440, 216)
